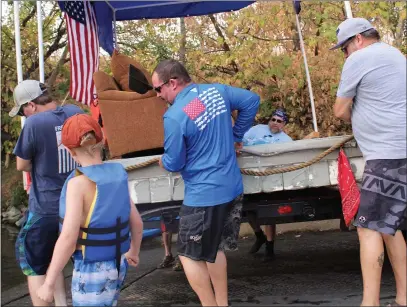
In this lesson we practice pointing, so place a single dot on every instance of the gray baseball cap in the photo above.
(349, 28)
(25, 92)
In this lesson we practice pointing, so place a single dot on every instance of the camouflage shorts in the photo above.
(203, 231)
(383, 196)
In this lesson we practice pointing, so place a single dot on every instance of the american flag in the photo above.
(83, 47)
(214, 106)
(194, 108)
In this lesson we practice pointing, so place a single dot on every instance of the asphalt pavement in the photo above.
(311, 269)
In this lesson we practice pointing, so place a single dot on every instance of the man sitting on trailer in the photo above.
(266, 134)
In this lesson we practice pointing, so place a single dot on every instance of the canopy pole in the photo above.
(311, 95)
(114, 30)
(40, 42)
(19, 69)
(348, 9)
(18, 41)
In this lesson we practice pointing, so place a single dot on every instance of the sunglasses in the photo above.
(279, 121)
(158, 88)
(21, 111)
(345, 45)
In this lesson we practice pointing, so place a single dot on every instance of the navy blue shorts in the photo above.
(35, 243)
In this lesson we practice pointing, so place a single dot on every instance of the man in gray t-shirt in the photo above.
(372, 95)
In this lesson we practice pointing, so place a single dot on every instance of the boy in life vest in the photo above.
(96, 219)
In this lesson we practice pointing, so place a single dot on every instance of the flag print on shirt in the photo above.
(66, 163)
(204, 108)
(214, 104)
(194, 108)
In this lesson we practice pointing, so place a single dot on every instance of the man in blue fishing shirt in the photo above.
(200, 143)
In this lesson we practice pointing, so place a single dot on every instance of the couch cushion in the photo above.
(104, 82)
(120, 66)
(133, 125)
(123, 96)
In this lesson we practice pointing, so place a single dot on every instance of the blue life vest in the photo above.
(105, 235)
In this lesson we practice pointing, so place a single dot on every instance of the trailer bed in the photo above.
(153, 184)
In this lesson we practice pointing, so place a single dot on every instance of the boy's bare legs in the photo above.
(371, 260)
(60, 291)
(218, 275)
(396, 250)
(198, 277)
(35, 282)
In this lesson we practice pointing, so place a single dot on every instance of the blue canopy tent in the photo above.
(108, 12)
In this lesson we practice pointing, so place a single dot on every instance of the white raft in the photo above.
(153, 184)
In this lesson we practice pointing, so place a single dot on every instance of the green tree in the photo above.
(256, 48)
(56, 74)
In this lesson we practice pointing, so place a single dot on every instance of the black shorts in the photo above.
(35, 243)
(203, 231)
(383, 196)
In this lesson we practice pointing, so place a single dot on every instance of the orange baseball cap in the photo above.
(76, 127)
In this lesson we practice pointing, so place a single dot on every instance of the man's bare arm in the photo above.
(343, 107)
(24, 165)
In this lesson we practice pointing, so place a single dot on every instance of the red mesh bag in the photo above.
(348, 188)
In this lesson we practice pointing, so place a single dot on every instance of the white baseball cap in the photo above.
(349, 28)
(25, 92)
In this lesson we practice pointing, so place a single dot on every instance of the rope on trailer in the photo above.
(267, 172)
(143, 164)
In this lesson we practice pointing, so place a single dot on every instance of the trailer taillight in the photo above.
(284, 209)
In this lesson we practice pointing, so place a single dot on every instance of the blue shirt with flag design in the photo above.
(40, 142)
(199, 140)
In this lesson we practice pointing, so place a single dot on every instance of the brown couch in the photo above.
(132, 122)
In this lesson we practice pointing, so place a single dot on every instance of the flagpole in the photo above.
(18, 41)
(348, 9)
(19, 66)
(311, 95)
(40, 43)
(114, 30)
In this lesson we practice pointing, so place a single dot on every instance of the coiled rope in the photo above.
(143, 164)
(267, 172)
